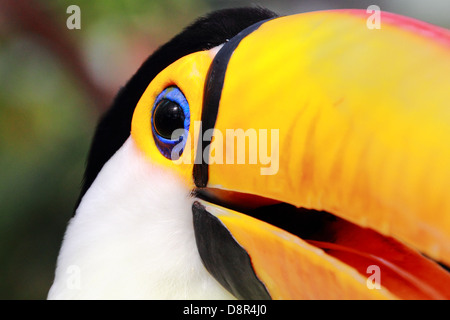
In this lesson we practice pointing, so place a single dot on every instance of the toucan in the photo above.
(258, 156)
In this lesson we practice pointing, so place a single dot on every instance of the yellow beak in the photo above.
(353, 121)
(332, 138)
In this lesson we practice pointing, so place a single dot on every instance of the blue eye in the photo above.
(170, 122)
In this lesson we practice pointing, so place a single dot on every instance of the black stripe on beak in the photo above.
(212, 93)
(224, 258)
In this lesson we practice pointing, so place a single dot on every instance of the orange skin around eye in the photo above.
(188, 74)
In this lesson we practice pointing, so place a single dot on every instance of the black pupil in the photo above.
(168, 117)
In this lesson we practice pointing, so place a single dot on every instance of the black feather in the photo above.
(205, 33)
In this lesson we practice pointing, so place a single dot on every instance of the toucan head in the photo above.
(256, 156)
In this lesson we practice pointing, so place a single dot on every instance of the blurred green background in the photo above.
(56, 82)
